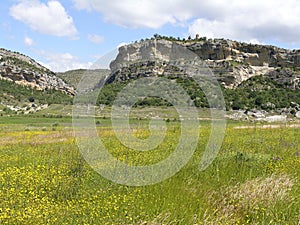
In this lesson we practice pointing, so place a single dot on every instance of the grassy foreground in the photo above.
(45, 180)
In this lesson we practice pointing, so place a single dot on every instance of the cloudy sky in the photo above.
(70, 34)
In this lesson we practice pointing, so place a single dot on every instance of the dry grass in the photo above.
(269, 126)
(243, 200)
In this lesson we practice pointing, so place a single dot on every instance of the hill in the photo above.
(26, 86)
(253, 77)
(231, 62)
(73, 77)
(24, 71)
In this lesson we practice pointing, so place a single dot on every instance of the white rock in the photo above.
(277, 118)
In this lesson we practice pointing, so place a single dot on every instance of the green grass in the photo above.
(73, 77)
(45, 180)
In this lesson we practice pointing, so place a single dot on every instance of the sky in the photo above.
(72, 34)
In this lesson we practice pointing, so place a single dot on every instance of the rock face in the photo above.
(253, 54)
(230, 61)
(25, 71)
(151, 58)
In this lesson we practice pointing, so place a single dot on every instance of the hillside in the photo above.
(253, 77)
(24, 71)
(27, 87)
(73, 77)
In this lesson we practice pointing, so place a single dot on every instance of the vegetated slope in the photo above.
(17, 98)
(25, 71)
(73, 77)
(262, 92)
(26, 86)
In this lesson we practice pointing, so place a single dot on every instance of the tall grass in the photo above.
(254, 180)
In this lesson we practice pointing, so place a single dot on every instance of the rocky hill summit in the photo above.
(24, 71)
(256, 79)
(231, 62)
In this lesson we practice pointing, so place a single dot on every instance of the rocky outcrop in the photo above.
(230, 61)
(287, 76)
(25, 71)
(252, 54)
(277, 115)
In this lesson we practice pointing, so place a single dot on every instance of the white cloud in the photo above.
(60, 62)
(121, 44)
(276, 20)
(255, 41)
(97, 39)
(50, 18)
(28, 41)
(131, 13)
(255, 22)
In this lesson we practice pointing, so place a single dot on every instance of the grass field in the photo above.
(45, 180)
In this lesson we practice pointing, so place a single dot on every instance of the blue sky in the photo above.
(73, 34)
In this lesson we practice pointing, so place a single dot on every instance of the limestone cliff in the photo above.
(231, 62)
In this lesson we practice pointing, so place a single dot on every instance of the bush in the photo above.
(31, 99)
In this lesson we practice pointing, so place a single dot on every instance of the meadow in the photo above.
(45, 180)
